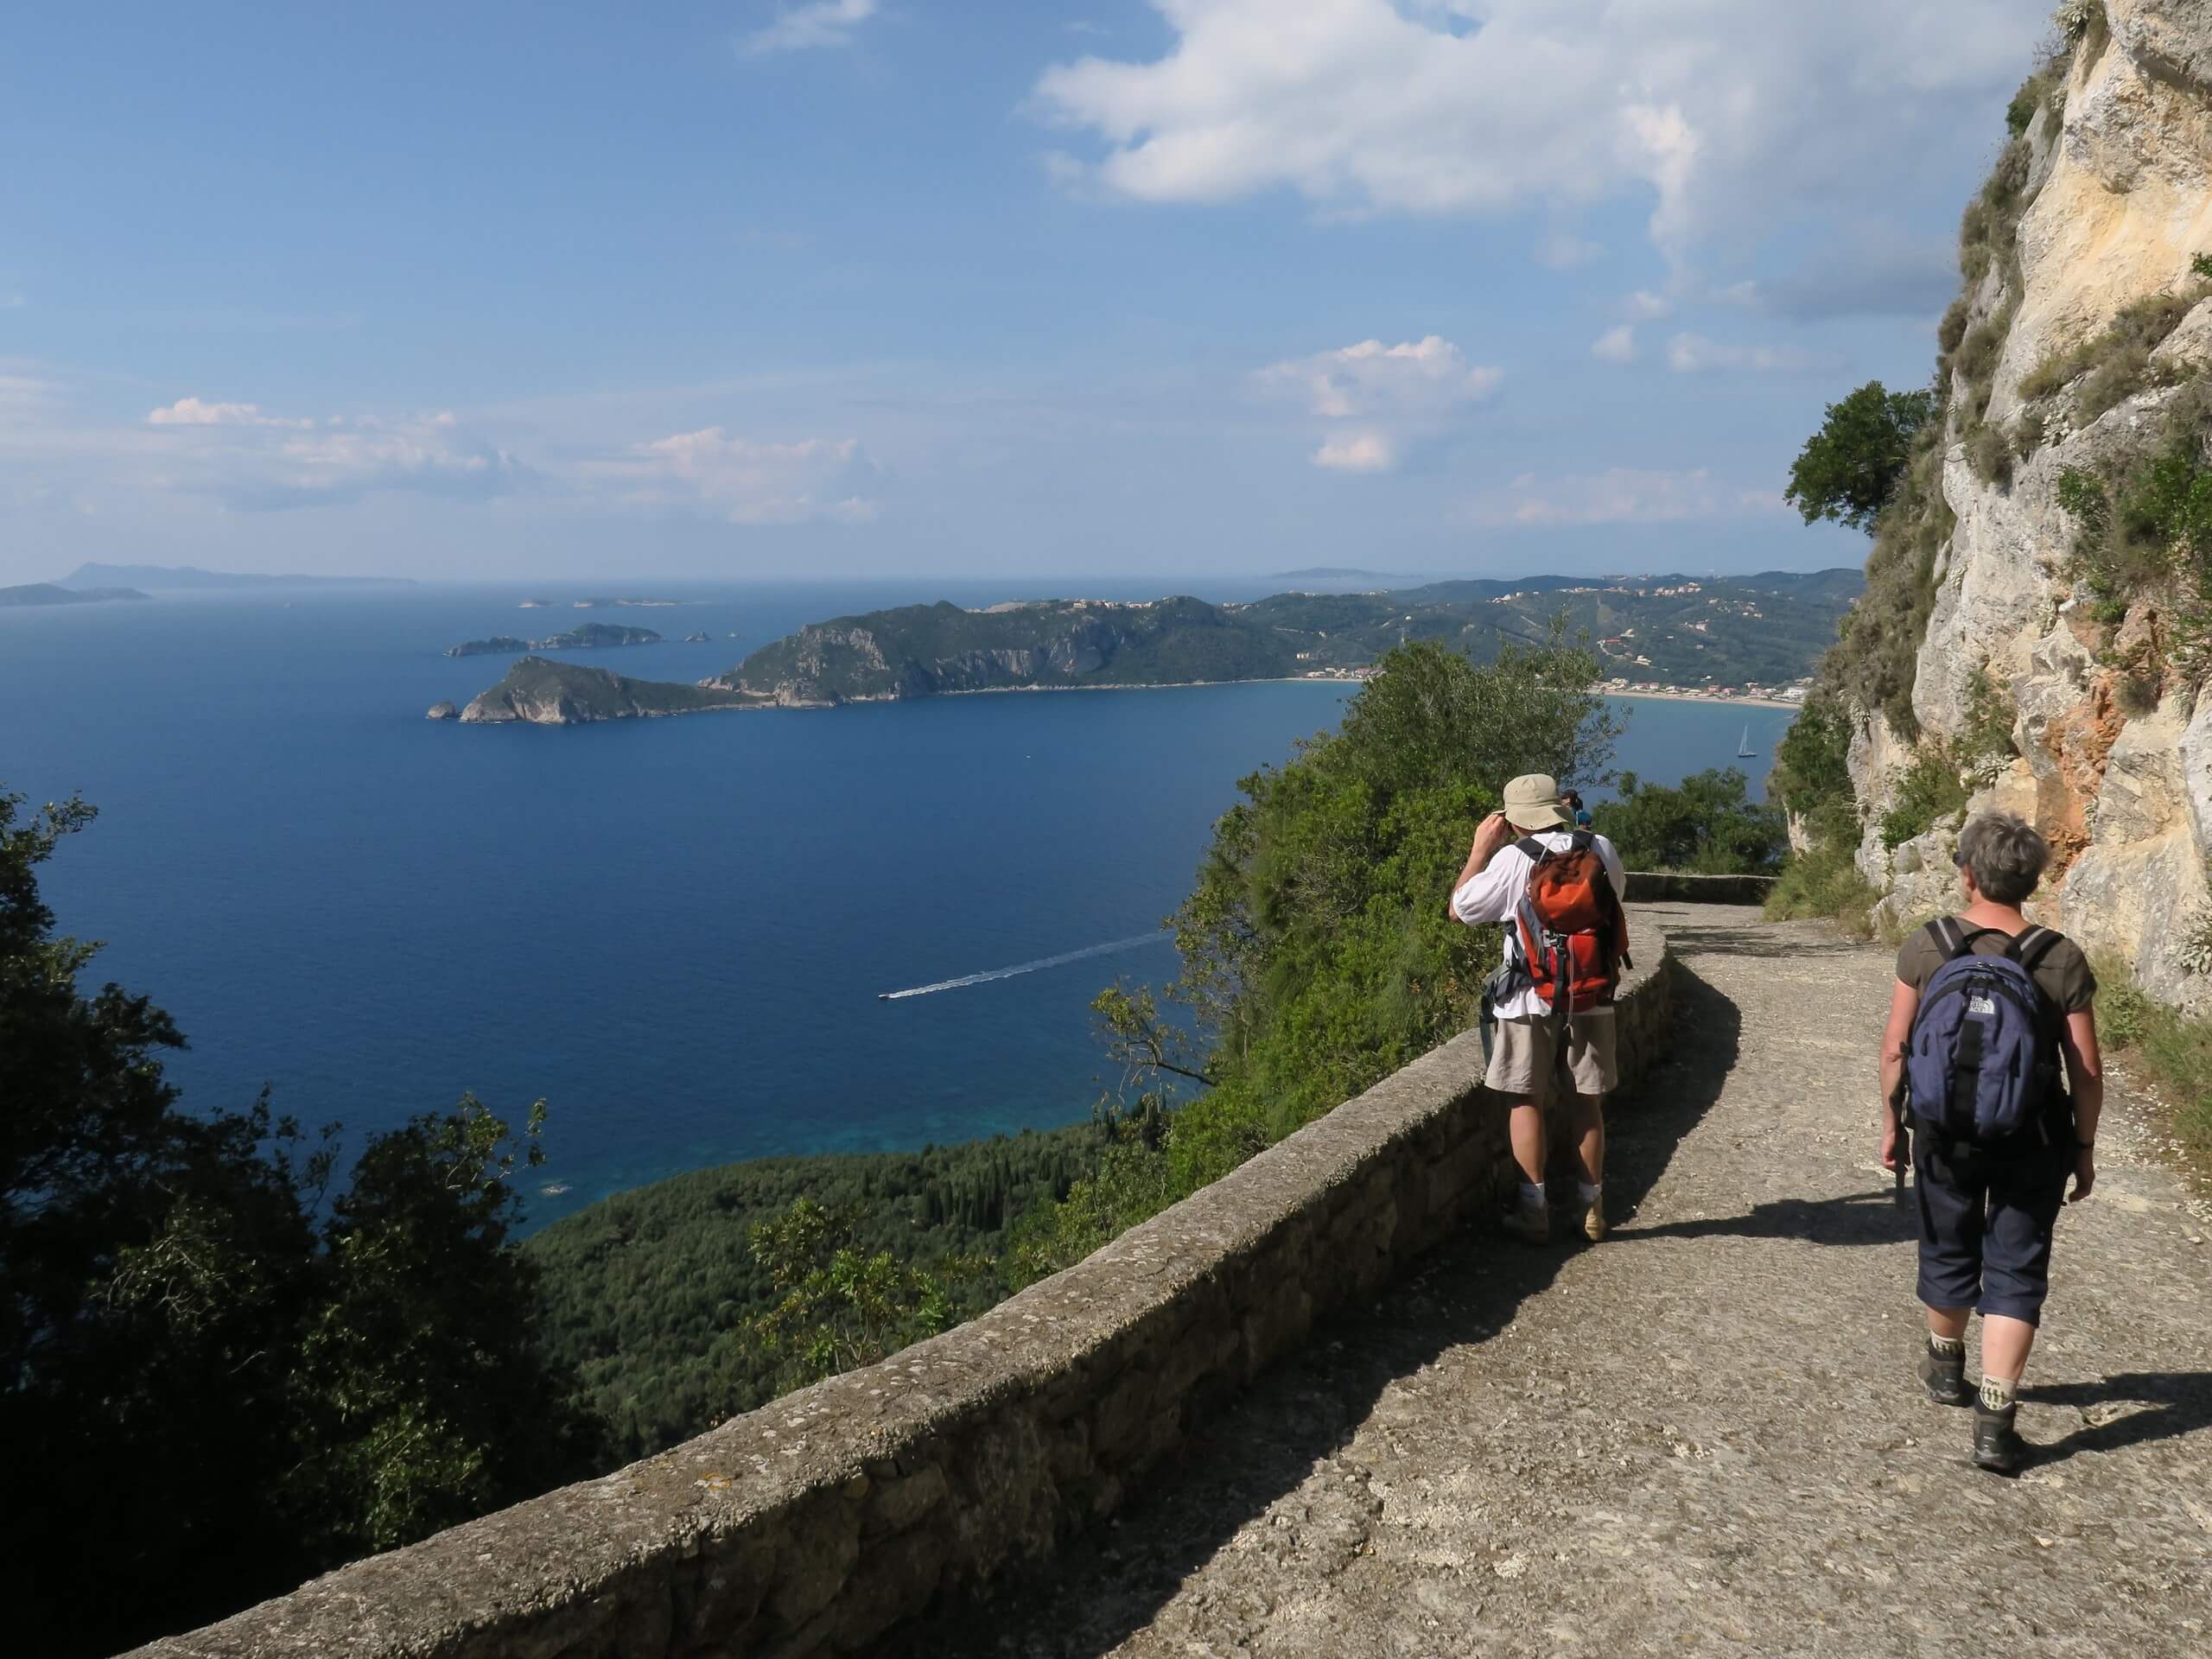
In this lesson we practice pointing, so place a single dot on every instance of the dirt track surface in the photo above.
(1702, 1436)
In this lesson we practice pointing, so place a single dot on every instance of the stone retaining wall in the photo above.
(818, 1522)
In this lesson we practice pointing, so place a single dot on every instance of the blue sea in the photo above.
(676, 932)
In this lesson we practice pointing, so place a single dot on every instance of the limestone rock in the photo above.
(444, 711)
(2120, 201)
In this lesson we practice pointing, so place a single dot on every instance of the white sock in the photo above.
(1532, 1195)
(1589, 1192)
(1998, 1393)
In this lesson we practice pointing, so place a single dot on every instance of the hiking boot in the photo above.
(1594, 1220)
(1530, 1223)
(1998, 1446)
(1944, 1378)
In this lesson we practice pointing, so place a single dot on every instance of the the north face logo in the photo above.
(1981, 1005)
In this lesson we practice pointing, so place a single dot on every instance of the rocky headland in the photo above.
(543, 693)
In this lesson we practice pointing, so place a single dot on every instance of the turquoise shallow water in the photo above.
(676, 931)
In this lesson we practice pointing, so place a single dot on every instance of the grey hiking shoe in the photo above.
(1530, 1223)
(1998, 1446)
(1944, 1377)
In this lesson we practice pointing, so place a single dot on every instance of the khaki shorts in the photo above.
(1529, 1059)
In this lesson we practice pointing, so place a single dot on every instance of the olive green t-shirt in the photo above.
(2062, 975)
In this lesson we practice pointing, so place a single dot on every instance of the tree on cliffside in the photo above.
(212, 1384)
(1849, 469)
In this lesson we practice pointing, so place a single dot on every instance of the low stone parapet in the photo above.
(823, 1520)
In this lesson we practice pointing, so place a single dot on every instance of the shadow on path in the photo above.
(2169, 1405)
(1110, 1583)
(1856, 1218)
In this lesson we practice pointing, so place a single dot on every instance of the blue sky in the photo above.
(875, 286)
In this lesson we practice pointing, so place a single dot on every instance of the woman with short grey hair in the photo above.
(1989, 1204)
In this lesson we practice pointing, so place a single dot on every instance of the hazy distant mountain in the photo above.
(185, 576)
(53, 593)
(1330, 573)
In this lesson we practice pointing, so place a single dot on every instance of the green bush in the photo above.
(2172, 1050)
(1985, 745)
(1989, 451)
(1812, 776)
(2114, 364)
(2147, 532)
(1929, 793)
(1709, 826)
(1824, 885)
(1951, 332)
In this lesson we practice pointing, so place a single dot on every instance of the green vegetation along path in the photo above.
(1701, 1437)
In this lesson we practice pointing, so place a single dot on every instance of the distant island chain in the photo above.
(1751, 638)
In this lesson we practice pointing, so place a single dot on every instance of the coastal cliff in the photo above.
(543, 693)
(2042, 575)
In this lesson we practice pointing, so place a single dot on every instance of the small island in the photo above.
(536, 605)
(619, 604)
(442, 711)
(585, 636)
(542, 693)
(701, 638)
(53, 593)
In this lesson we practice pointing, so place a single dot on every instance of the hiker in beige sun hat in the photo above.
(1533, 802)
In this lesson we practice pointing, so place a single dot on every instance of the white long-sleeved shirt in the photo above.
(1491, 894)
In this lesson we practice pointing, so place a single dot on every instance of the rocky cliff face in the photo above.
(2111, 731)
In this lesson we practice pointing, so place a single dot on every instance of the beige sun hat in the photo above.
(1533, 802)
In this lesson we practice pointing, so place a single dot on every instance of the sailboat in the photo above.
(1743, 749)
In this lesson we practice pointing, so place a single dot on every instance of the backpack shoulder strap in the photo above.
(1950, 937)
(1536, 850)
(1581, 842)
(2031, 945)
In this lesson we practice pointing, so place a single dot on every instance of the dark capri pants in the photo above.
(1986, 1221)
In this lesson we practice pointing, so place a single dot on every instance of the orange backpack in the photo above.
(1574, 932)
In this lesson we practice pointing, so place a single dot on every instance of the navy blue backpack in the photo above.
(1982, 1064)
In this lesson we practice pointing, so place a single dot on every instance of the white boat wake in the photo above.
(1037, 967)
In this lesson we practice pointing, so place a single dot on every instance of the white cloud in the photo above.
(817, 23)
(1417, 376)
(1643, 306)
(745, 481)
(1695, 354)
(192, 412)
(1722, 113)
(1357, 452)
(1615, 346)
(253, 460)
(1618, 496)
(12, 301)
(1393, 392)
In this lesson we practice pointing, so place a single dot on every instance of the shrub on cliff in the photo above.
(212, 1382)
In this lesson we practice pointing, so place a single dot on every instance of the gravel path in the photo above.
(1701, 1436)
